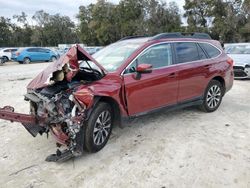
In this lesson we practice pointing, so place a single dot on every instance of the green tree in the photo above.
(5, 30)
(22, 32)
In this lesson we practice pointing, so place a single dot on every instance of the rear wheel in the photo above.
(98, 128)
(5, 59)
(26, 60)
(212, 97)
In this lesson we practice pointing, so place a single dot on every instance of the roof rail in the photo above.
(131, 37)
(181, 35)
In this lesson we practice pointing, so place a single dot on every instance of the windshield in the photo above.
(114, 55)
(238, 49)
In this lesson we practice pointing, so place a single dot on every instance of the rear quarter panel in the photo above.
(223, 69)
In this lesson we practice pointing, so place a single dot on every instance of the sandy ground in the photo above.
(184, 148)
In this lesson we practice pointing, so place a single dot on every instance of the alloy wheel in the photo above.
(213, 96)
(102, 127)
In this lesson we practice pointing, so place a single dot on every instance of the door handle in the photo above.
(207, 66)
(172, 75)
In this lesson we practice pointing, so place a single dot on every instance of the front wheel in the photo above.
(212, 97)
(53, 58)
(98, 127)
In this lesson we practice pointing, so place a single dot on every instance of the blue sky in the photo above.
(64, 7)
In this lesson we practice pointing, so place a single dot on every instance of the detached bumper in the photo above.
(30, 122)
(241, 72)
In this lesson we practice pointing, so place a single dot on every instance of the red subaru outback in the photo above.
(79, 98)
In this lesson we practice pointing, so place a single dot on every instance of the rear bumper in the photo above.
(241, 72)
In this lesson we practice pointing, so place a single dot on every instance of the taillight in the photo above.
(230, 61)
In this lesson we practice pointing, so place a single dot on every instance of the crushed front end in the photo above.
(59, 100)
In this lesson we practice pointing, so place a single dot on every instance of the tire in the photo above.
(53, 58)
(26, 60)
(5, 59)
(96, 134)
(212, 96)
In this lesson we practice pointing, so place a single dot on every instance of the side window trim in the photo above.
(174, 56)
(209, 57)
(199, 46)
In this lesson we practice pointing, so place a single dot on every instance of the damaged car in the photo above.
(79, 98)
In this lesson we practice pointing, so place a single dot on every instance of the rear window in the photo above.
(186, 52)
(211, 50)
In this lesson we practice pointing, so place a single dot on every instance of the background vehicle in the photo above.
(33, 54)
(6, 53)
(240, 53)
(87, 95)
(92, 50)
(56, 51)
(2, 60)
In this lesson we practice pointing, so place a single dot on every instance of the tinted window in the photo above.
(43, 50)
(186, 52)
(202, 54)
(8, 50)
(32, 50)
(211, 50)
(13, 50)
(158, 56)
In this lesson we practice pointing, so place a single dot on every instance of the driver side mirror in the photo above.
(141, 69)
(144, 68)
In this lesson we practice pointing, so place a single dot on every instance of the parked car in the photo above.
(81, 97)
(2, 60)
(92, 50)
(6, 53)
(240, 53)
(34, 54)
(56, 51)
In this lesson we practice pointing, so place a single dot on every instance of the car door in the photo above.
(44, 54)
(193, 68)
(33, 54)
(153, 90)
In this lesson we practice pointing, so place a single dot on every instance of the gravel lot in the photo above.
(184, 148)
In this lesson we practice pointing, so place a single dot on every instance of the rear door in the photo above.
(193, 68)
(153, 90)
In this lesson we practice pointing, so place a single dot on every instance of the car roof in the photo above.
(151, 40)
(8, 48)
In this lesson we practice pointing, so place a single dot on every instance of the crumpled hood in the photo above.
(72, 57)
(240, 59)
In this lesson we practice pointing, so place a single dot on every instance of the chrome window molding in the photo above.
(168, 42)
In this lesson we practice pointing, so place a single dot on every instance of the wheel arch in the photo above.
(52, 57)
(113, 104)
(7, 58)
(222, 81)
(26, 57)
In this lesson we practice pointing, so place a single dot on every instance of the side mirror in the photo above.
(144, 68)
